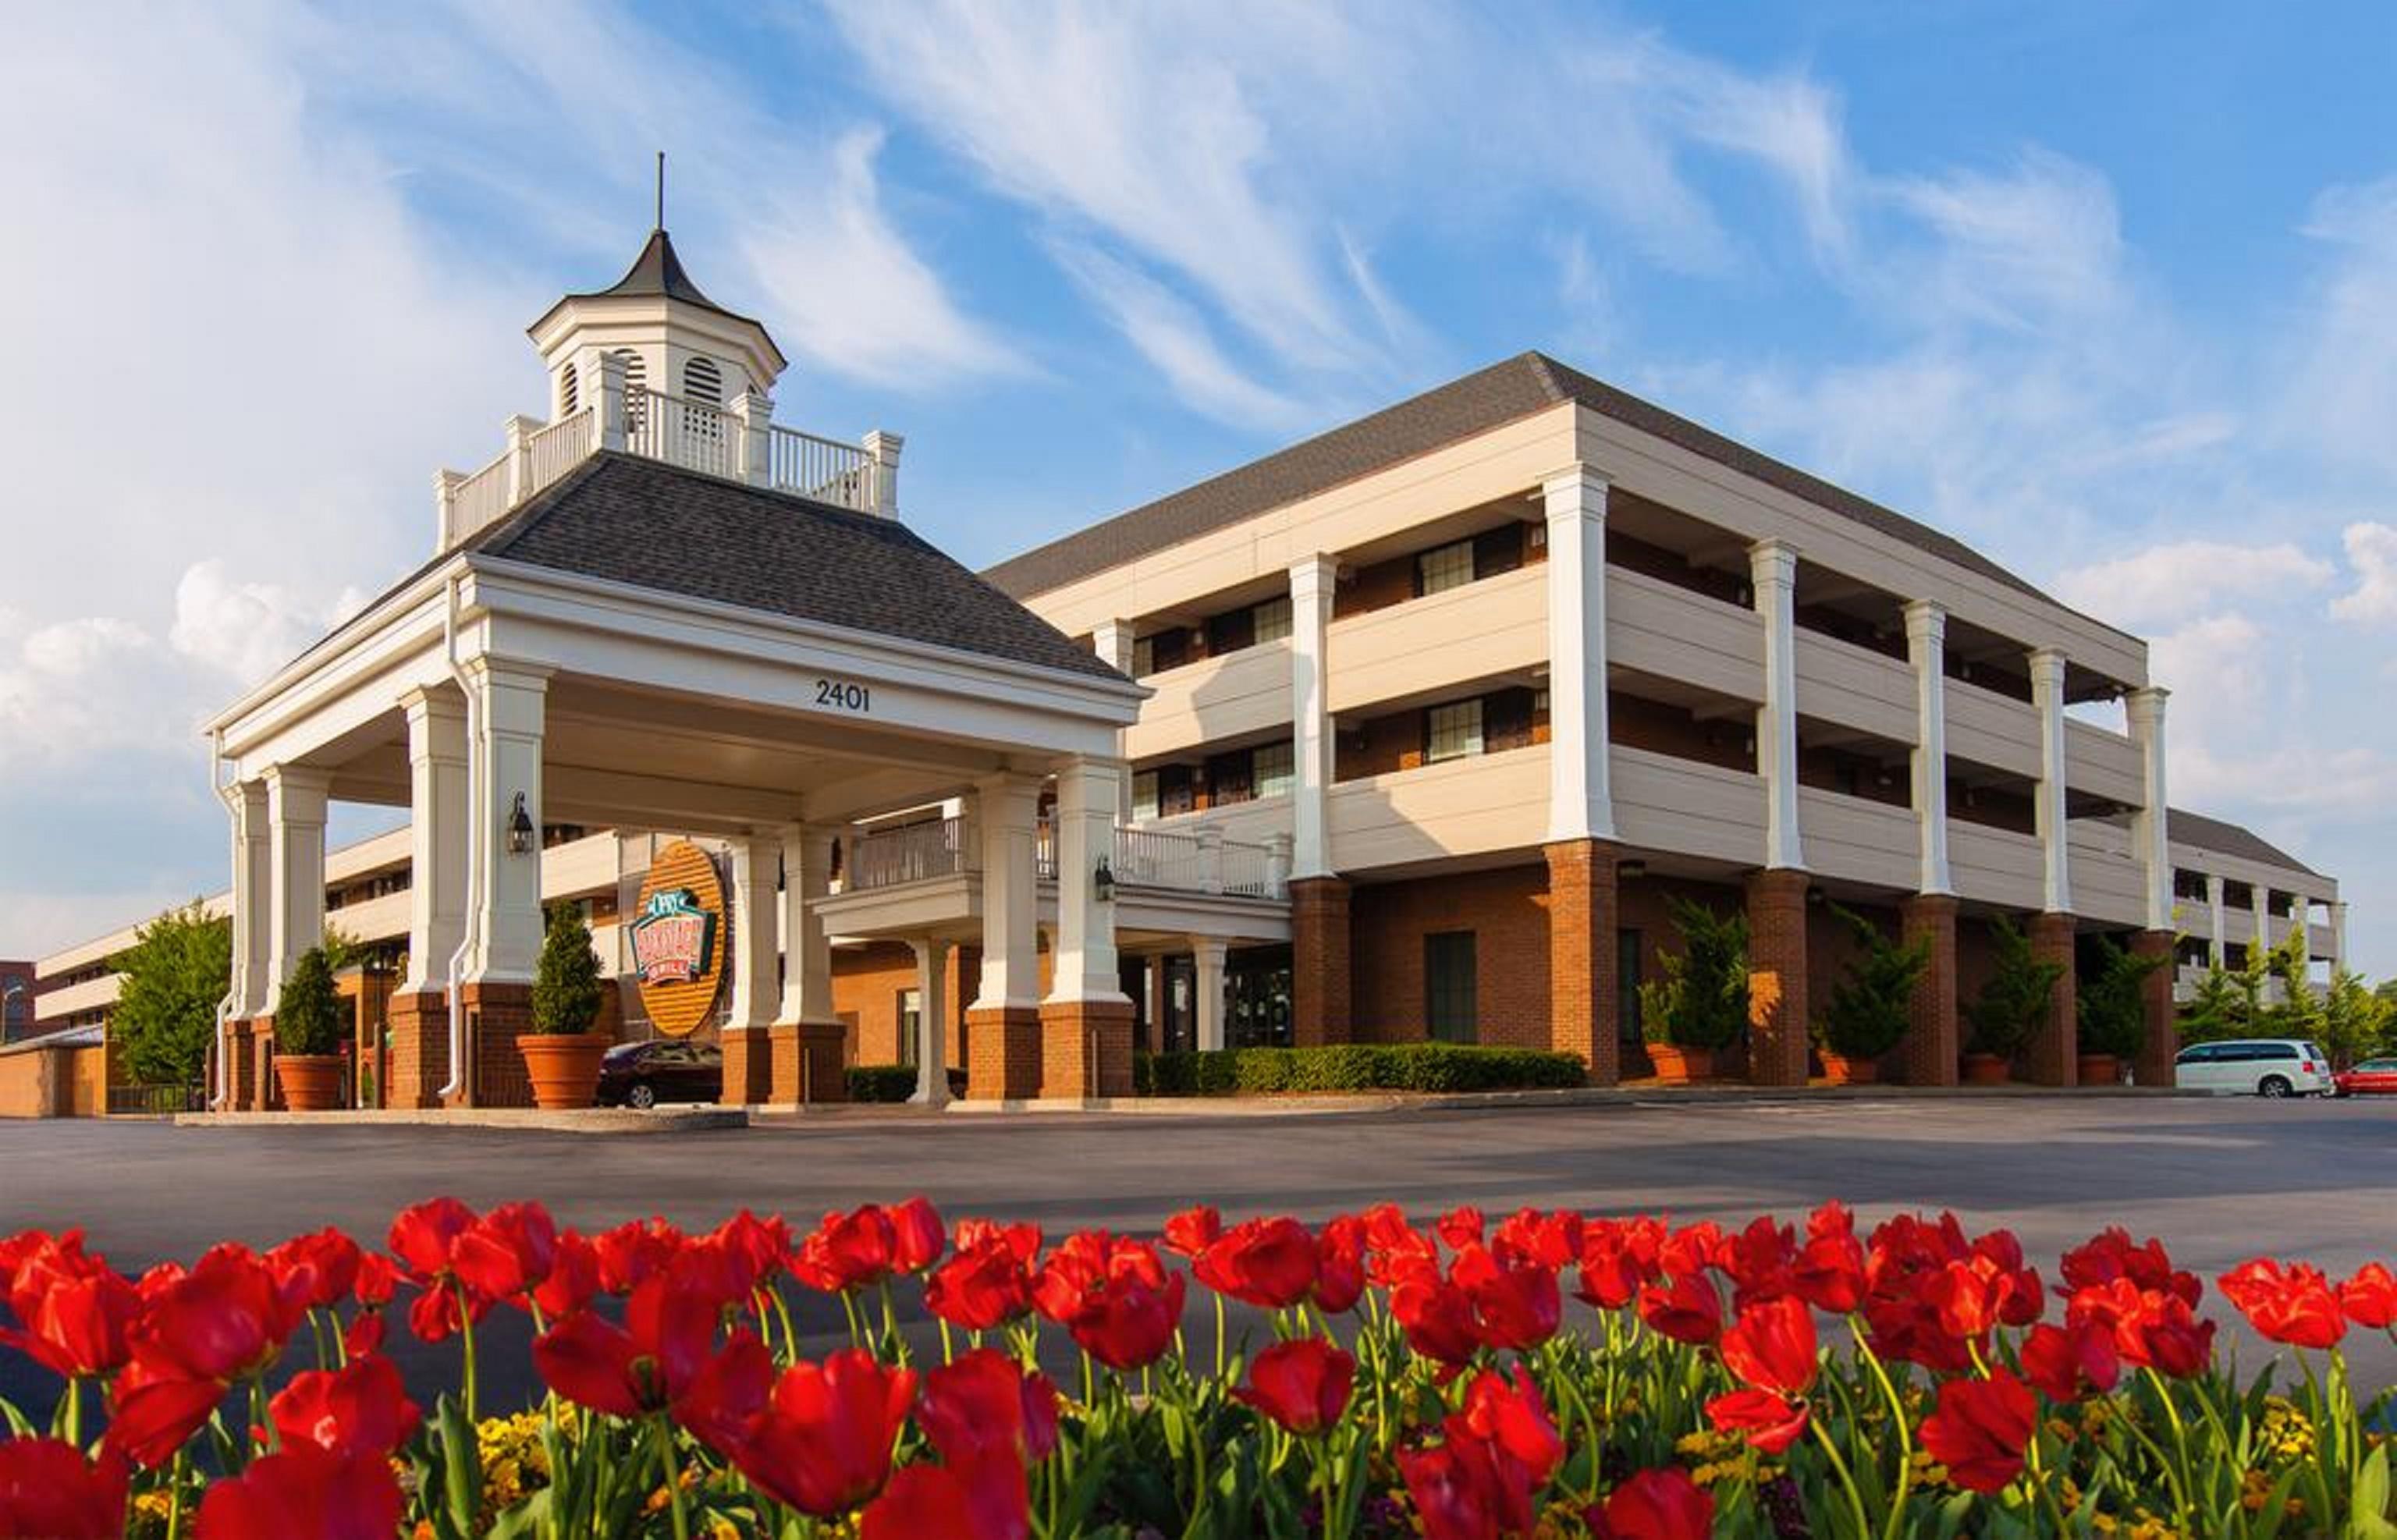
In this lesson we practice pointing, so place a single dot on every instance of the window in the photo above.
(1627, 986)
(911, 1023)
(1144, 797)
(1271, 770)
(703, 381)
(1449, 984)
(569, 392)
(1452, 731)
(1143, 656)
(1444, 568)
(1272, 620)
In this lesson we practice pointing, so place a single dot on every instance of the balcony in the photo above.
(1663, 802)
(74, 998)
(1859, 839)
(1992, 730)
(2104, 763)
(1855, 686)
(1654, 628)
(1995, 866)
(1189, 861)
(1213, 700)
(1490, 628)
(740, 443)
(2108, 881)
(1458, 807)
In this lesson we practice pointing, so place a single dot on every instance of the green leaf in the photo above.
(462, 1466)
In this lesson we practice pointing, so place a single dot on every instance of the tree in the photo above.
(2113, 1016)
(2221, 1006)
(1869, 1009)
(2357, 1022)
(176, 972)
(1702, 1000)
(566, 988)
(308, 1008)
(2020, 987)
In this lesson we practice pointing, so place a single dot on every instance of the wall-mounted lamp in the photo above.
(1102, 882)
(1817, 895)
(520, 831)
(1630, 871)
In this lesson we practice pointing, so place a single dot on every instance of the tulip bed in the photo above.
(1547, 1373)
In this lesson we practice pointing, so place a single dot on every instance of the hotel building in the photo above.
(1409, 731)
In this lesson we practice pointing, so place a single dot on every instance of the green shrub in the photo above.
(2008, 1009)
(1702, 1000)
(880, 1082)
(566, 988)
(1866, 1013)
(2113, 1017)
(1427, 1067)
(308, 1009)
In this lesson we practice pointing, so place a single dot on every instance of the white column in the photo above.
(2259, 897)
(1926, 649)
(604, 378)
(2151, 836)
(931, 1023)
(1580, 806)
(1111, 641)
(295, 819)
(883, 450)
(1208, 954)
(1085, 962)
(1312, 583)
(508, 930)
(1010, 959)
(520, 430)
(2337, 907)
(757, 862)
(437, 817)
(2213, 900)
(2047, 699)
(253, 898)
(807, 966)
(444, 508)
(754, 409)
(1773, 572)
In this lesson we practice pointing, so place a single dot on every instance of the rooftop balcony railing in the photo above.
(1196, 862)
(739, 442)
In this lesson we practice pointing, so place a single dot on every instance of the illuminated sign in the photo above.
(675, 939)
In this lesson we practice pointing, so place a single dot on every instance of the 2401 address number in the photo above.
(837, 695)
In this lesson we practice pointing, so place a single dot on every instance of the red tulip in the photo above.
(661, 1359)
(321, 1269)
(763, 1244)
(2110, 1256)
(982, 1403)
(154, 1414)
(572, 1280)
(1981, 1429)
(47, 1488)
(918, 1236)
(1267, 1263)
(304, 1489)
(2293, 1304)
(1340, 1265)
(2069, 1361)
(1436, 1317)
(1772, 1347)
(822, 1443)
(2370, 1297)
(1302, 1384)
(1686, 1309)
(1395, 1249)
(1829, 1271)
(1655, 1505)
(1460, 1228)
(1456, 1492)
(1516, 1306)
(78, 1313)
(1552, 1241)
(1128, 1323)
(847, 1251)
(1193, 1230)
(359, 1409)
(422, 1235)
(1617, 1256)
(1759, 1261)
(984, 1500)
(634, 1251)
(507, 1254)
(1512, 1417)
(222, 1322)
(1769, 1420)
(979, 1288)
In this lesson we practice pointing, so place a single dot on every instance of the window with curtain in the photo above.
(1272, 620)
(1452, 731)
(1270, 768)
(1444, 568)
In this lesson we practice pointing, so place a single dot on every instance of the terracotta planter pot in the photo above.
(563, 1066)
(1676, 1065)
(1987, 1069)
(1841, 1070)
(2100, 1069)
(312, 1082)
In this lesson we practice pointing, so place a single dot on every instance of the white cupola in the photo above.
(674, 340)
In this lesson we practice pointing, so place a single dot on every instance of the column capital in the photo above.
(1772, 562)
(1926, 620)
(1580, 485)
(423, 701)
(2146, 704)
(1316, 574)
(2047, 662)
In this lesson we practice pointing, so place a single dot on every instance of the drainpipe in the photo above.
(226, 794)
(477, 758)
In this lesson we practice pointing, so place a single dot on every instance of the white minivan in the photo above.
(2255, 1066)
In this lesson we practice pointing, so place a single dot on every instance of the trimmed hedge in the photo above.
(880, 1082)
(1356, 1066)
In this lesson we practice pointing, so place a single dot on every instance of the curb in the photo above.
(590, 1120)
(1643, 1097)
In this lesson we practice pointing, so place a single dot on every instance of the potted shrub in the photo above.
(2113, 1017)
(1869, 1009)
(1700, 1005)
(2009, 1007)
(561, 1053)
(308, 1034)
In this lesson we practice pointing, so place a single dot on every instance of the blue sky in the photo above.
(2110, 291)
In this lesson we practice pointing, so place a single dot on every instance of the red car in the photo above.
(2370, 1077)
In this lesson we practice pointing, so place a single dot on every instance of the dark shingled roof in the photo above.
(657, 273)
(2211, 834)
(1525, 384)
(626, 520)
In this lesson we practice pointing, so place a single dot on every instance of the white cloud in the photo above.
(2372, 552)
(2033, 246)
(1173, 338)
(2165, 584)
(2341, 397)
(247, 630)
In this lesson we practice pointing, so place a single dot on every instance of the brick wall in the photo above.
(1507, 912)
(496, 1014)
(1660, 728)
(1779, 1002)
(1582, 1007)
(2161, 1039)
(1934, 1030)
(1322, 988)
(2051, 1057)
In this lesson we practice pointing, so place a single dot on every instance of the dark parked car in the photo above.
(642, 1074)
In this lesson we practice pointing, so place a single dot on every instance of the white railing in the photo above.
(824, 469)
(1198, 862)
(913, 852)
(689, 434)
(560, 446)
(482, 499)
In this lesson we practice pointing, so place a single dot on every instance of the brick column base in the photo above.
(1929, 1053)
(1583, 1017)
(1319, 998)
(1003, 1054)
(419, 1061)
(241, 1069)
(1074, 1034)
(748, 1065)
(807, 1060)
(2160, 1044)
(2053, 1055)
(496, 1012)
(1778, 1047)
(266, 1094)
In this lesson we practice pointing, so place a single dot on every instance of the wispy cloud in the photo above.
(1173, 338)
